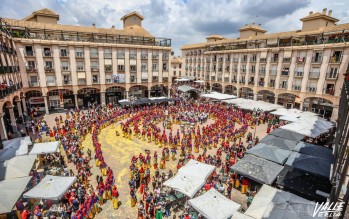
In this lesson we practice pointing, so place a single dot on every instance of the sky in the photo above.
(184, 21)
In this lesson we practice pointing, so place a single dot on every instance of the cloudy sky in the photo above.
(184, 21)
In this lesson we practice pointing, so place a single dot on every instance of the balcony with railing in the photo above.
(31, 69)
(34, 83)
(107, 55)
(213, 78)
(144, 56)
(271, 84)
(226, 79)
(261, 71)
(49, 69)
(29, 53)
(50, 82)
(285, 72)
(287, 60)
(332, 76)
(67, 82)
(108, 68)
(300, 60)
(80, 68)
(314, 75)
(63, 54)
(133, 56)
(273, 72)
(79, 54)
(311, 89)
(296, 87)
(250, 82)
(336, 59)
(155, 56)
(298, 74)
(316, 59)
(329, 91)
(263, 60)
(65, 68)
(244, 60)
(235, 60)
(82, 82)
(94, 55)
(274, 59)
(47, 53)
(121, 55)
(165, 57)
(283, 85)
(94, 68)
(95, 80)
(261, 83)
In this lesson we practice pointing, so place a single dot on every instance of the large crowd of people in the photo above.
(209, 126)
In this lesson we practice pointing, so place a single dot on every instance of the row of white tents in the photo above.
(269, 202)
(16, 162)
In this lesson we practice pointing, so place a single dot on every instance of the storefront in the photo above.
(84, 100)
(113, 97)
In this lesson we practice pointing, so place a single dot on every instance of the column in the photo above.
(149, 91)
(255, 96)
(13, 119)
(24, 105)
(127, 94)
(19, 107)
(76, 100)
(301, 105)
(276, 99)
(103, 98)
(3, 132)
(169, 92)
(334, 115)
(46, 105)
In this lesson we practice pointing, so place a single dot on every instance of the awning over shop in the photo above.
(278, 142)
(271, 153)
(257, 169)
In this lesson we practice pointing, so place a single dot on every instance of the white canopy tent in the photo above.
(11, 190)
(214, 205)
(16, 141)
(156, 98)
(248, 104)
(51, 187)
(272, 203)
(10, 152)
(16, 167)
(182, 79)
(187, 184)
(45, 148)
(199, 81)
(197, 169)
(311, 126)
(218, 96)
(285, 112)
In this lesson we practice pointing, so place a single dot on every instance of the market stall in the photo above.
(45, 148)
(16, 167)
(270, 153)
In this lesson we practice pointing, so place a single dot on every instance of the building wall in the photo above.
(311, 86)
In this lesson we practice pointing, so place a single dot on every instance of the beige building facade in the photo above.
(74, 66)
(298, 69)
(12, 99)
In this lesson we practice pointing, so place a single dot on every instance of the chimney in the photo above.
(113, 27)
(324, 11)
(93, 25)
(330, 13)
(310, 12)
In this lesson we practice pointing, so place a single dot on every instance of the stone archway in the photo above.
(139, 91)
(114, 94)
(318, 105)
(217, 87)
(266, 95)
(287, 100)
(88, 96)
(230, 89)
(158, 90)
(246, 92)
(60, 98)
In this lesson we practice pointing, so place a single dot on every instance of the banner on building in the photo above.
(119, 78)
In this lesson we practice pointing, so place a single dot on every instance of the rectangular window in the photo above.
(121, 67)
